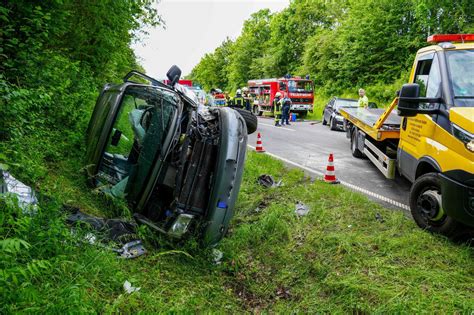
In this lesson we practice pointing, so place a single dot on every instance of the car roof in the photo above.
(345, 99)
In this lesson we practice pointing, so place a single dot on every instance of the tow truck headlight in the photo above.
(464, 136)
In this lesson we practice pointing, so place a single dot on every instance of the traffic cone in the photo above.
(259, 147)
(330, 175)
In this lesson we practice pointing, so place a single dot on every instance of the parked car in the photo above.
(176, 163)
(331, 113)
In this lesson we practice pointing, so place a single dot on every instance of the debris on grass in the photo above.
(26, 196)
(119, 232)
(127, 286)
(301, 209)
(379, 218)
(217, 256)
(267, 181)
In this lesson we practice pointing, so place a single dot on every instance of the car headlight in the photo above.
(464, 136)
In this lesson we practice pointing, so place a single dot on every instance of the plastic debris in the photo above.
(26, 195)
(379, 218)
(267, 181)
(127, 286)
(121, 233)
(301, 209)
(217, 256)
(131, 249)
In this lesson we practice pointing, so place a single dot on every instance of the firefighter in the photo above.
(277, 108)
(228, 100)
(285, 107)
(238, 100)
(363, 100)
(247, 99)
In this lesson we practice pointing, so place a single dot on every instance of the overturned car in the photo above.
(177, 164)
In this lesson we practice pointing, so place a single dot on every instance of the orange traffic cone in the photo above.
(259, 147)
(330, 175)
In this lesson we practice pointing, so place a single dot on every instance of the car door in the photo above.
(126, 134)
(328, 110)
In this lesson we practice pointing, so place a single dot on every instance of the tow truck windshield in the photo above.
(461, 68)
(300, 86)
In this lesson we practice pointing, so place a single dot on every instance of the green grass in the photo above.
(339, 258)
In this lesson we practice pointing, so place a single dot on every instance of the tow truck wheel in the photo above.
(426, 206)
(355, 146)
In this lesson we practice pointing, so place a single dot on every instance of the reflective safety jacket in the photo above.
(238, 101)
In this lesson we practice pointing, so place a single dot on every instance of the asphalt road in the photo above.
(308, 144)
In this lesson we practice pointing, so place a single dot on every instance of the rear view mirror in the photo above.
(173, 74)
(410, 104)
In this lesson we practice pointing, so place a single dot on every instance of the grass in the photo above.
(339, 258)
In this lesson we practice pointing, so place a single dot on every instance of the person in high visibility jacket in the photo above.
(363, 100)
(238, 100)
(277, 108)
(247, 99)
(285, 108)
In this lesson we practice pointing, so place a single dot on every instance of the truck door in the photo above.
(416, 130)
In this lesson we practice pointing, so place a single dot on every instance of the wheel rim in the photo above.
(429, 204)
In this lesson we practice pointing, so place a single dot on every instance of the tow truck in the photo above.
(430, 139)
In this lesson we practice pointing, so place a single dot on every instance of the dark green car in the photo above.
(177, 164)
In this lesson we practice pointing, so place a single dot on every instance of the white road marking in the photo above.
(283, 128)
(349, 185)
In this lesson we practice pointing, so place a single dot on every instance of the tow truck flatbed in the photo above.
(379, 124)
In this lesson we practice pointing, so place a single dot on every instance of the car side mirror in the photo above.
(173, 74)
(410, 104)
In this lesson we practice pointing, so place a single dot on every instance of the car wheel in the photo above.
(324, 121)
(355, 145)
(426, 206)
(332, 124)
(250, 120)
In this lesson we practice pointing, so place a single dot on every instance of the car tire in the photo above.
(250, 120)
(324, 121)
(355, 145)
(332, 124)
(426, 207)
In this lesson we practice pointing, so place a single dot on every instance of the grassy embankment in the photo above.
(339, 258)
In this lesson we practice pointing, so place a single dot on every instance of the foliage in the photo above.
(342, 44)
(337, 259)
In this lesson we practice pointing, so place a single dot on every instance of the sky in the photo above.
(194, 28)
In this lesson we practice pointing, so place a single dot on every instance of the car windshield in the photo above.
(461, 68)
(300, 86)
(345, 103)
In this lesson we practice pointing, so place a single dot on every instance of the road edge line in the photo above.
(349, 185)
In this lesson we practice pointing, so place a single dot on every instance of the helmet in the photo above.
(245, 89)
(238, 92)
(278, 94)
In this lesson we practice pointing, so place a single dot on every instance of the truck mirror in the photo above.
(173, 74)
(410, 104)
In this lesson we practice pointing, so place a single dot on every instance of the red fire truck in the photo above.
(299, 90)
(182, 82)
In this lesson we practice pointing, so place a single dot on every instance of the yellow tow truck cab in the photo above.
(435, 138)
